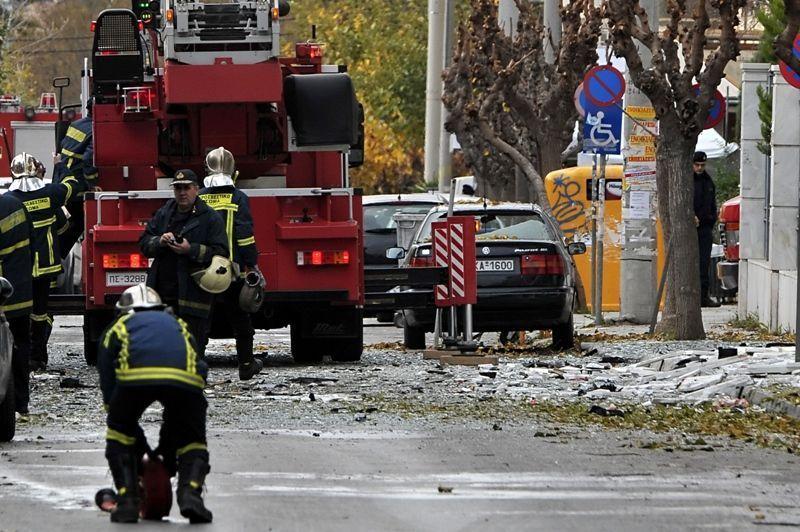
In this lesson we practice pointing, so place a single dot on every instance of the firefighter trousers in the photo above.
(20, 360)
(41, 322)
(239, 321)
(183, 427)
(74, 230)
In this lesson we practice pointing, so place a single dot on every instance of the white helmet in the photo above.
(220, 165)
(27, 172)
(217, 277)
(139, 297)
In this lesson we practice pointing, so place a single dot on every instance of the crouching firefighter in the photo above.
(148, 355)
(43, 204)
(234, 206)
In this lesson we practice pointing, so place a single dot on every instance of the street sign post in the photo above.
(792, 77)
(602, 129)
(604, 86)
(717, 112)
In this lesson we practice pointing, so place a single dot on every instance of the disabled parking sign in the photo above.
(602, 129)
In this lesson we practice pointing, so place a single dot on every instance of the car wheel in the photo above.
(8, 419)
(413, 337)
(564, 335)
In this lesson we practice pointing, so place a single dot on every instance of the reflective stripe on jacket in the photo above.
(43, 207)
(15, 255)
(233, 206)
(205, 231)
(148, 348)
(77, 149)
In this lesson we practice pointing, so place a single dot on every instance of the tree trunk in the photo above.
(682, 316)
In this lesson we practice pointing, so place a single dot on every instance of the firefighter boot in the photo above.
(192, 470)
(123, 469)
(249, 366)
(41, 327)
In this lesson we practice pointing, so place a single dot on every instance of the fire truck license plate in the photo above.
(125, 278)
(496, 265)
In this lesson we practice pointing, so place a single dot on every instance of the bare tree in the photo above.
(682, 114)
(507, 104)
(785, 41)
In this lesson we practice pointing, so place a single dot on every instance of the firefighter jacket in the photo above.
(149, 347)
(233, 206)
(15, 255)
(44, 211)
(77, 151)
(205, 231)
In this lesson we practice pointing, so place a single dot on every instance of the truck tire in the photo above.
(305, 349)
(564, 335)
(94, 323)
(8, 418)
(310, 349)
(348, 349)
(413, 337)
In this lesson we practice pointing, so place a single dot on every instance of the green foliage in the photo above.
(726, 179)
(765, 116)
(772, 17)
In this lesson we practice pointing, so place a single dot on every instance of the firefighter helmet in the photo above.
(139, 297)
(27, 173)
(251, 296)
(217, 277)
(219, 165)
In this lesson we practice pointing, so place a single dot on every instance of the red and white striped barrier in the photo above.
(441, 255)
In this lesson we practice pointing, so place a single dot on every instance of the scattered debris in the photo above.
(445, 489)
(360, 417)
(72, 382)
(607, 410)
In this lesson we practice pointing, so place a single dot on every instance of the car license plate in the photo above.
(125, 278)
(496, 265)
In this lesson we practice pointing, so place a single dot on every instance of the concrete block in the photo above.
(785, 162)
(741, 297)
(759, 289)
(786, 123)
(782, 238)
(732, 388)
(469, 360)
(752, 229)
(787, 300)
(753, 169)
(753, 75)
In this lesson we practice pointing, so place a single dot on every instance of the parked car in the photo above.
(7, 410)
(526, 279)
(380, 234)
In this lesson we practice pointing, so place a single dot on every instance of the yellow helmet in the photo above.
(217, 277)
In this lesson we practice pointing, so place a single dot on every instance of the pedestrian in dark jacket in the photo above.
(148, 355)
(16, 266)
(705, 216)
(43, 204)
(233, 205)
(182, 237)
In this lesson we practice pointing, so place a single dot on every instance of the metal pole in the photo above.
(445, 155)
(433, 93)
(594, 234)
(797, 300)
(437, 328)
(468, 323)
(601, 222)
(661, 285)
(552, 25)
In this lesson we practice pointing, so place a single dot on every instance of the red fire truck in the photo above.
(172, 80)
(728, 269)
(27, 128)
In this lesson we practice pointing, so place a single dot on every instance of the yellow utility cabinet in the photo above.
(570, 194)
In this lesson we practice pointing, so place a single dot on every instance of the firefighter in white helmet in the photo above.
(147, 355)
(43, 204)
(184, 237)
(232, 204)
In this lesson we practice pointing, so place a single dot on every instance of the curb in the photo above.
(770, 403)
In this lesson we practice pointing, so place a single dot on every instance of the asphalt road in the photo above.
(391, 474)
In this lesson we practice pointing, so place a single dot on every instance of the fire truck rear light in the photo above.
(141, 26)
(308, 51)
(47, 101)
(124, 261)
(138, 99)
(323, 258)
(93, 26)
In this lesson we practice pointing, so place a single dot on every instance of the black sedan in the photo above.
(526, 278)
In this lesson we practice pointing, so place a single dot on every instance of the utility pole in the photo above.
(433, 93)
(507, 17)
(638, 268)
(445, 155)
(552, 26)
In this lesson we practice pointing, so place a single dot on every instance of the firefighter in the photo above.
(42, 203)
(77, 163)
(16, 267)
(148, 355)
(183, 237)
(233, 205)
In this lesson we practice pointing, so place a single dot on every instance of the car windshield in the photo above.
(499, 225)
(380, 218)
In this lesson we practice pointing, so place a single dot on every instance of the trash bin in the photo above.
(407, 225)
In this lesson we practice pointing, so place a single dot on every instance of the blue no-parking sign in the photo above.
(602, 129)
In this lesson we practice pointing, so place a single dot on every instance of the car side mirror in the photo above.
(576, 248)
(5, 290)
(395, 253)
(60, 83)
